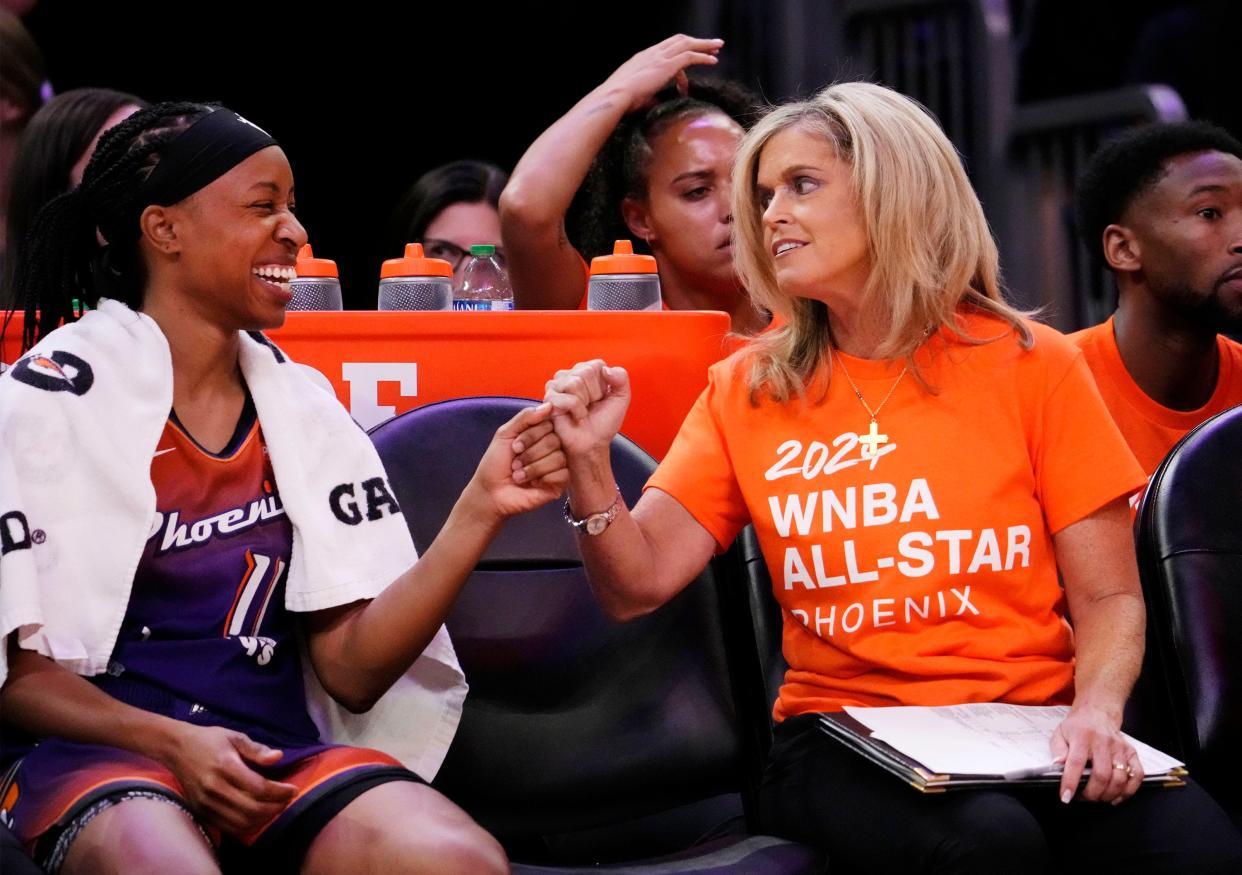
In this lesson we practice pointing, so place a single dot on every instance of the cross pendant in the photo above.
(871, 441)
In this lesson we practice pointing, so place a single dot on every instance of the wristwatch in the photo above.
(594, 523)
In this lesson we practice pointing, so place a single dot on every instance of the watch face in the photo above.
(596, 523)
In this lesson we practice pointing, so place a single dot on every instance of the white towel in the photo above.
(80, 416)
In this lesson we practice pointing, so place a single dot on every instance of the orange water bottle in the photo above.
(317, 285)
(415, 282)
(623, 280)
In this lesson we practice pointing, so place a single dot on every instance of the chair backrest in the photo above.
(766, 626)
(1190, 561)
(1045, 261)
(574, 722)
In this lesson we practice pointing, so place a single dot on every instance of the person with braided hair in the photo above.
(656, 163)
(213, 531)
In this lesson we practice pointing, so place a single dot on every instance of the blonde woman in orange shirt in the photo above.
(919, 462)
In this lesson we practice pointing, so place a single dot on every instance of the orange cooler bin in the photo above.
(381, 364)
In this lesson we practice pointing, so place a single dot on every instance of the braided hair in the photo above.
(62, 260)
(621, 167)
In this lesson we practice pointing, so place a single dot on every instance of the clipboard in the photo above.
(854, 735)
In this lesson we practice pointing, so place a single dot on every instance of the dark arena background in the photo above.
(365, 97)
(1056, 544)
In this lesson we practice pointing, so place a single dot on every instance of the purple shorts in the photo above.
(48, 796)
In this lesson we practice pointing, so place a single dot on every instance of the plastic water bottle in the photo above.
(317, 285)
(415, 282)
(623, 280)
(484, 283)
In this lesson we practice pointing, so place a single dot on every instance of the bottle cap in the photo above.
(414, 263)
(482, 249)
(309, 265)
(622, 260)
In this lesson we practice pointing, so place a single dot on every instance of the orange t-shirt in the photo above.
(1150, 428)
(925, 575)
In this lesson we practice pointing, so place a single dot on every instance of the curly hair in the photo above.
(620, 169)
(1129, 166)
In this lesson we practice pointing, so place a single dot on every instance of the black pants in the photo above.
(816, 791)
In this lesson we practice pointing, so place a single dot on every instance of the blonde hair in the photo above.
(930, 246)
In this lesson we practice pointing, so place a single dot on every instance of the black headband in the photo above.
(201, 154)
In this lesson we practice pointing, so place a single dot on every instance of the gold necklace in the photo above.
(872, 440)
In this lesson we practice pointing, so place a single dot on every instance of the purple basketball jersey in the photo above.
(206, 624)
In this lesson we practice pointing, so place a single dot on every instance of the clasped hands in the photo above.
(582, 411)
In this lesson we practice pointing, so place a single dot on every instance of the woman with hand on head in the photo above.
(200, 507)
(920, 462)
(659, 170)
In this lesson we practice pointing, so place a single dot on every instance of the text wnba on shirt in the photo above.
(879, 504)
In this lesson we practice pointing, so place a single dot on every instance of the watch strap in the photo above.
(593, 523)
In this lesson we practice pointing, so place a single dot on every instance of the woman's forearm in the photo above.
(645, 556)
(1096, 559)
(44, 699)
(546, 272)
(544, 182)
(1108, 634)
(359, 652)
(619, 562)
